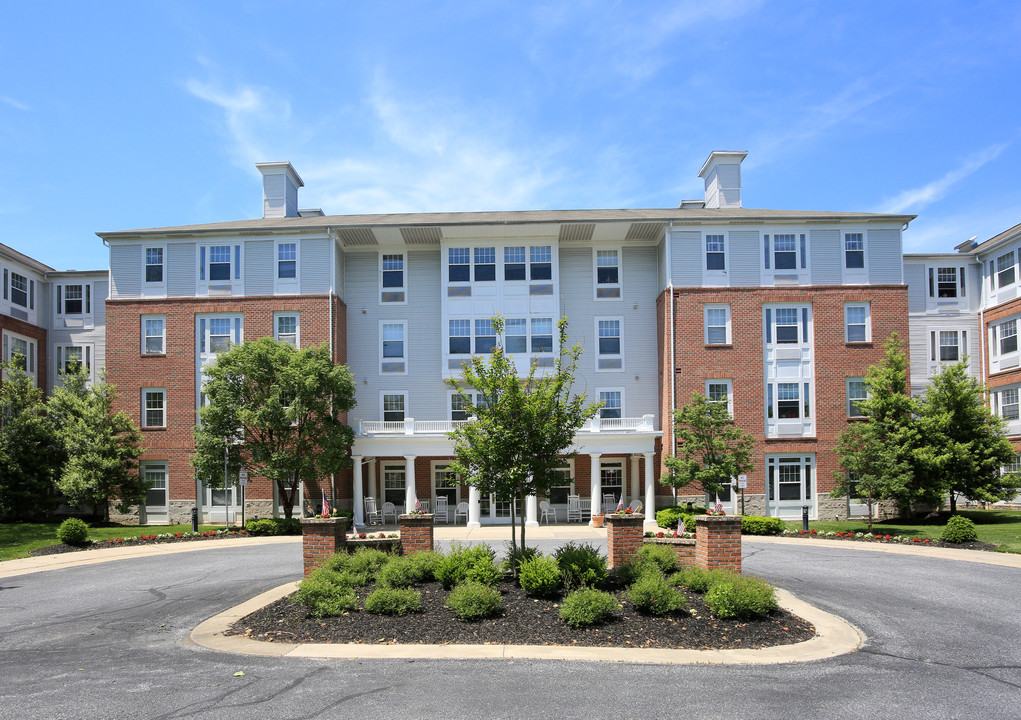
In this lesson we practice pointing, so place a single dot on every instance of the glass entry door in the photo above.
(790, 481)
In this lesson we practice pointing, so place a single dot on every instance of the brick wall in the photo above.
(624, 534)
(416, 533)
(321, 539)
(130, 370)
(718, 542)
(20, 327)
(684, 548)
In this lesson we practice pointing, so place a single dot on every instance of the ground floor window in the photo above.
(394, 482)
(445, 484)
(155, 476)
(558, 493)
(789, 483)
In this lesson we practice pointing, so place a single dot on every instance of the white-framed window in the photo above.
(857, 322)
(717, 324)
(788, 400)
(721, 391)
(785, 252)
(393, 286)
(611, 478)
(393, 359)
(74, 299)
(22, 290)
(1008, 404)
(459, 339)
(219, 332)
(154, 407)
(394, 479)
(514, 263)
(715, 252)
(947, 283)
(21, 351)
(540, 262)
(1005, 337)
(287, 261)
(1005, 272)
(609, 356)
(485, 336)
(394, 406)
(154, 474)
(854, 251)
(789, 479)
(948, 345)
(153, 270)
(612, 400)
(857, 391)
(287, 327)
(516, 335)
(485, 264)
(788, 325)
(460, 409)
(154, 334)
(558, 493)
(607, 267)
(459, 265)
(542, 335)
(70, 355)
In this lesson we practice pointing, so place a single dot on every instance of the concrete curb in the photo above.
(976, 556)
(834, 636)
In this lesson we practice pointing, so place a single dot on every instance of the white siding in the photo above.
(181, 270)
(315, 266)
(661, 262)
(686, 260)
(914, 277)
(259, 267)
(125, 270)
(827, 257)
(745, 258)
(886, 261)
(338, 271)
(919, 329)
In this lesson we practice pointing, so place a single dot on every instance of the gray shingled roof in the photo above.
(992, 242)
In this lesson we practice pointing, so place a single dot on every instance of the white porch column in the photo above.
(410, 496)
(635, 492)
(596, 485)
(473, 507)
(373, 487)
(356, 497)
(531, 511)
(650, 492)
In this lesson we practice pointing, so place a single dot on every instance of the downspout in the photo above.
(983, 335)
(333, 284)
(673, 344)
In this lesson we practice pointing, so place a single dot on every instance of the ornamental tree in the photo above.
(100, 447)
(963, 444)
(524, 426)
(878, 454)
(711, 449)
(276, 411)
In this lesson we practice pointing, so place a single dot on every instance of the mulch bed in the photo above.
(100, 544)
(988, 547)
(525, 621)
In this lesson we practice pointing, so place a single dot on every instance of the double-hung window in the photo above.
(155, 476)
(540, 262)
(393, 347)
(542, 335)
(947, 345)
(154, 408)
(612, 404)
(219, 334)
(485, 264)
(20, 352)
(856, 323)
(787, 325)
(485, 336)
(459, 265)
(788, 400)
(720, 391)
(513, 263)
(608, 286)
(392, 278)
(154, 328)
(219, 262)
(857, 392)
(285, 328)
(459, 408)
(460, 337)
(74, 299)
(715, 252)
(854, 251)
(1009, 409)
(516, 335)
(68, 356)
(22, 291)
(609, 355)
(153, 264)
(287, 261)
(394, 407)
(785, 251)
(1007, 332)
(1006, 272)
(717, 325)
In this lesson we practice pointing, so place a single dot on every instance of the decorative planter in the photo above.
(597, 520)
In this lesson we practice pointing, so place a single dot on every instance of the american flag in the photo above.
(719, 505)
(680, 526)
(620, 504)
(326, 505)
(418, 504)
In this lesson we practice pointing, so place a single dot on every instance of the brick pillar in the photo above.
(624, 535)
(718, 542)
(416, 533)
(321, 539)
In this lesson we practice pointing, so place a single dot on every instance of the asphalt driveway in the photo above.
(111, 641)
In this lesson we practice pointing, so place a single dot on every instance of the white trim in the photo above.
(601, 390)
(157, 288)
(297, 325)
(854, 276)
(384, 393)
(145, 416)
(847, 391)
(705, 322)
(608, 287)
(730, 392)
(867, 306)
(610, 357)
(393, 360)
(403, 289)
(791, 508)
(31, 350)
(162, 335)
(60, 359)
(157, 466)
(286, 285)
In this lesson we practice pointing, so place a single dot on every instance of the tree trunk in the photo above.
(870, 512)
(953, 503)
(287, 499)
(514, 529)
(523, 501)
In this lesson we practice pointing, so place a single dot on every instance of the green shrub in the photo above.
(760, 525)
(588, 607)
(393, 601)
(539, 576)
(473, 600)
(366, 561)
(406, 570)
(517, 556)
(323, 594)
(661, 556)
(467, 562)
(580, 565)
(73, 531)
(959, 529)
(627, 574)
(740, 597)
(426, 563)
(652, 594)
(696, 579)
(667, 517)
(273, 526)
(345, 514)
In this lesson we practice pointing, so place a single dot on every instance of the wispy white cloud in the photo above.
(936, 232)
(16, 104)
(917, 198)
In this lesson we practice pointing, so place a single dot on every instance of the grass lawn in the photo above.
(17, 539)
(1000, 527)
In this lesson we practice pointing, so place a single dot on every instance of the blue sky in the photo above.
(124, 115)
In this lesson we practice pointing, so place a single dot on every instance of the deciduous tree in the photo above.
(28, 446)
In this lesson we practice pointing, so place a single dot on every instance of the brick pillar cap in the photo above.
(323, 521)
(617, 517)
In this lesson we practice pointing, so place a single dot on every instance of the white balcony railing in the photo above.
(410, 426)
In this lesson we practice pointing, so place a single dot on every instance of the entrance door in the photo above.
(791, 481)
(445, 485)
(394, 479)
(728, 499)
(611, 479)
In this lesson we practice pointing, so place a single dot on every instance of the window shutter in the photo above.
(964, 344)
(808, 409)
(31, 357)
(804, 324)
(962, 281)
(60, 302)
(932, 284)
(803, 252)
(237, 330)
(932, 346)
(237, 262)
(769, 326)
(5, 283)
(60, 359)
(202, 335)
(766, 245)
(202, 262)
(88, 357)
(31, 294)
(88, 299)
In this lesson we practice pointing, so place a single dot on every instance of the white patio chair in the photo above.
(547, 510)
(389, 509)
(371, 512)
(635, 505)
(461, 511)
(574, 508)
(442, 513)
(609, 504)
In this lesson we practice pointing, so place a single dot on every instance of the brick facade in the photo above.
(416, 533)
(684, 548)
(20, 327)
(718, 542)
(624, 534)
(321, 539)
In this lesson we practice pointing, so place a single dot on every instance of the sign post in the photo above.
(243, 482)
(742, 483)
